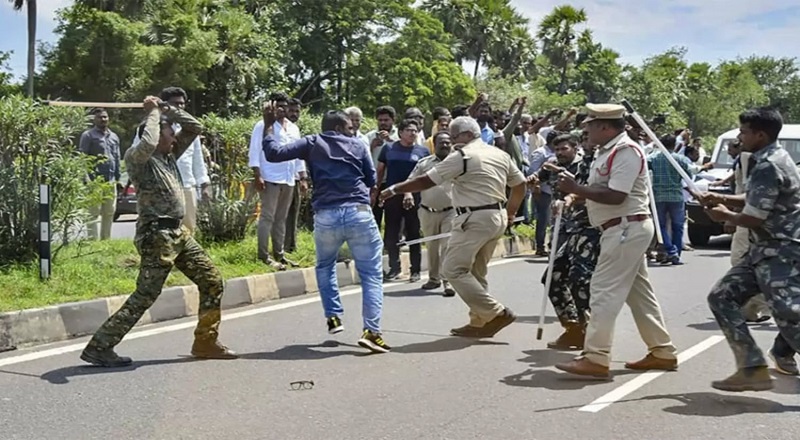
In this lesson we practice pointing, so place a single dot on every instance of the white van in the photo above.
(702, 228)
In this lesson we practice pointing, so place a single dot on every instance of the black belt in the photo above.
(465, 209)
(435, 210)
(168, 223)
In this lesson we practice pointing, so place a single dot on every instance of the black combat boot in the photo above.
(105, 358)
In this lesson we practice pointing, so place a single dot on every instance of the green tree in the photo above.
(321, 37)
(597, 73)
(487, 32)
(7, 87)
(557, 35)
(415, 69)
(715, 97)
(658, 86)
(223, 56)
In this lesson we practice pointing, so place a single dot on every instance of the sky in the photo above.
(712, 30)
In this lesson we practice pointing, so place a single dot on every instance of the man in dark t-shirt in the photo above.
(396, 161)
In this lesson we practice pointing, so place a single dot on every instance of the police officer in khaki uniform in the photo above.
(617, 203)
(436, 212)
(480, 174)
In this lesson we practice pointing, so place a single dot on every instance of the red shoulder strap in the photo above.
(610, 159)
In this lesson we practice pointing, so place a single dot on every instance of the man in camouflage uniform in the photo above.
(771, 210)
(576, 257)
(161, 240)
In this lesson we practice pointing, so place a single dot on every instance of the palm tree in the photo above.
(557, 34)
(31, 38)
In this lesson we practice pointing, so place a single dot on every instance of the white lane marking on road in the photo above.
(645, 378)
(145, 332)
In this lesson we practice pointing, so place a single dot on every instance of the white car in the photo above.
(702, 228)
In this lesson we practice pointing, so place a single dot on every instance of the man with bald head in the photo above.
(479, 176)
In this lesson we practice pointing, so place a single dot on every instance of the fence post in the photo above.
(44, 231)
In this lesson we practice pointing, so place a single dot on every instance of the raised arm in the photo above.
(148, 141)
(298, 149)
(190, 129)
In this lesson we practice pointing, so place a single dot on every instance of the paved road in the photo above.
(430, 387)
(124, 228)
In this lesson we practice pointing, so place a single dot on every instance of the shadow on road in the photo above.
(61, 376)
(712, 325)
(720, 405)
(413, 292)
(538, 260)
(705, 404)
(556, 380)
(786, 384)
(547, 357)
(305, 352)
(714, 254)
(452, 343)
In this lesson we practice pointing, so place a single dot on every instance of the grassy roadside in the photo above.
(107, 268)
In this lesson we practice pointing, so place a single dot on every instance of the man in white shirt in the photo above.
(191, 166)
(275, 184)
(356, 116)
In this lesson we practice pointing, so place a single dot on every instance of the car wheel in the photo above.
(699, 237)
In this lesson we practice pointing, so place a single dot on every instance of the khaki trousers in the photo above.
(190, 217)
(619, 278)
(433, 223)
(471, 246)
(740, 245)
(101, 218)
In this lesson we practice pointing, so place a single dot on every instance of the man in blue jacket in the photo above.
(343, 175)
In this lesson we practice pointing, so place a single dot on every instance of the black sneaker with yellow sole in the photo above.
(373, 342)
(335, 325)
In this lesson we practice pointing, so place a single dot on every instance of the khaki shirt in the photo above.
(439, 196)
(488, 171)
(628, 174)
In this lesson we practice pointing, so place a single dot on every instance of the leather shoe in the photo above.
(584, 367)
(651, 362)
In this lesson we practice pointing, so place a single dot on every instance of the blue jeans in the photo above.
(543, 212)
(354, 225)
(671, 217)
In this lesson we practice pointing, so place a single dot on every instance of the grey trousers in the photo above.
(275, 201)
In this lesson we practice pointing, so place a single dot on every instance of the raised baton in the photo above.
(95, 104)
(689, 182)
(439, 236)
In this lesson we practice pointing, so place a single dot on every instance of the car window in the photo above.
(792, 146)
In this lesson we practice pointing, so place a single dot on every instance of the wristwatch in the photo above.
(391, 190)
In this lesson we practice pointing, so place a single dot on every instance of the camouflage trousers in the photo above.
(778, 278)
(161, 249)
(572, 273)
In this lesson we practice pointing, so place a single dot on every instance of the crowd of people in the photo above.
(472, 177)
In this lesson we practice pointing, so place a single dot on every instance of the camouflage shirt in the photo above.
(550, 178)
(773, 195)
(155, 175)
(576, 218)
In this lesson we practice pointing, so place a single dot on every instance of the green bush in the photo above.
(37, 145)
(233, 209)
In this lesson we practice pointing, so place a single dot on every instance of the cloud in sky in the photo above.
(712, 30)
